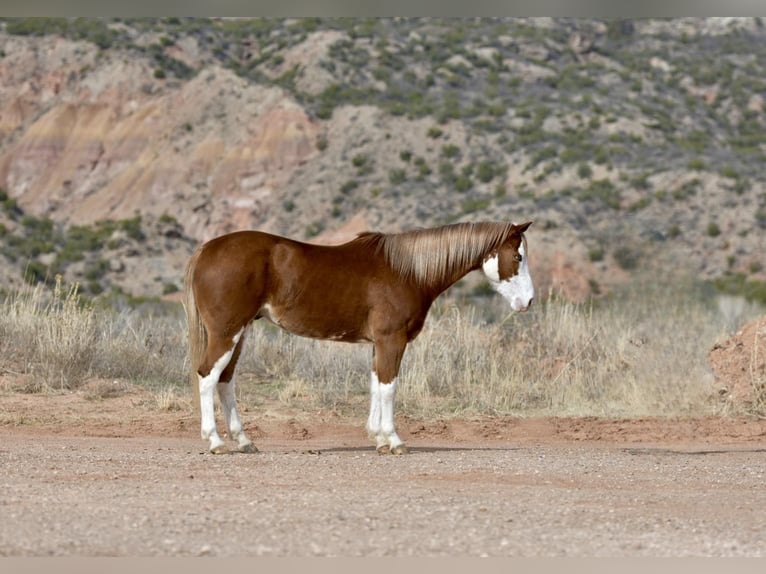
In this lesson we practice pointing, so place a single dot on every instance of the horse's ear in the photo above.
(522, 227)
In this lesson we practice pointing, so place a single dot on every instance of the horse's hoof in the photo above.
(384, 449)
(220, 449)
(400, 449)
(248, 448)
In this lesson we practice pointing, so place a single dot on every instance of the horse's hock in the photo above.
(739, 365)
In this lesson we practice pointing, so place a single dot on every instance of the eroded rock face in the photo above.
(107, 143)
(739, 365)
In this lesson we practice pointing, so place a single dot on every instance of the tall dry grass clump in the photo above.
(61, 340)
(52, 334)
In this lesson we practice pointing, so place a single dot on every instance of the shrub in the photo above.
(450, 151)
(471, 205)
(132, 227)
(349, 186)
(423, 170)
(486, 171)
(596, 254)
(697, 164)
(626, 257)
(397, 176)
(463, 183)
(359, 160)
(602, 190)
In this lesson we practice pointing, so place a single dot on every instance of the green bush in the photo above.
(463, 183)
(132, 227)
(738, 284)
(486, 171)
(96, 269)
(596, 254)
(602, 190)
(697, 164)
(471, 205)
(359, 160)
(626, 257)
(450, 151)
(584, 171)
(397, 176)
(349, 186)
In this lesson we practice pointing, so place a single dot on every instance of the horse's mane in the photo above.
(429, 256)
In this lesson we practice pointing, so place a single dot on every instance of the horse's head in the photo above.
(507, 270)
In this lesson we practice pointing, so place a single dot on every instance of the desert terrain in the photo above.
(118, 477)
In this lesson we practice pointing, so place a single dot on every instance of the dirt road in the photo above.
(118, 478)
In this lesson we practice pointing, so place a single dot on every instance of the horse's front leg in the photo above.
(383, 381)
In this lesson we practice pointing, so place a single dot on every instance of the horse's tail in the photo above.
(197, 331)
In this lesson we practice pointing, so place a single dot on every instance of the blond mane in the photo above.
(432, 255)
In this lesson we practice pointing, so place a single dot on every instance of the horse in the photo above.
(377, 288)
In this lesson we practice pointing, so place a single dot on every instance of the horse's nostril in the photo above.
(530, 302)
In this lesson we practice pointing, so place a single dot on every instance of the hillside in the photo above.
(125, 142)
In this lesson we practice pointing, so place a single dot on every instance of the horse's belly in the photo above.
(315, 325)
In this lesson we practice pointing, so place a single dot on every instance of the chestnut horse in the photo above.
(376, 288)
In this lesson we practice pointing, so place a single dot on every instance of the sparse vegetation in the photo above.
(640, 352)
(602, 144)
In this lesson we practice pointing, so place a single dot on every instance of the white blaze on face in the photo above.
(517, 290)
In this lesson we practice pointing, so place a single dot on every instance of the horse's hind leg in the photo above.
(229, 404)
(219, 354)
(233, 422)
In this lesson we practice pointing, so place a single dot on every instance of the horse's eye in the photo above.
(518, 257)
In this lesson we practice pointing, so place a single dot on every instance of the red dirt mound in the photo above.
(739, 365)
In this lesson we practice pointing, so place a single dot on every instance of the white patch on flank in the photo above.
(380, 424)
(267, 312)
(517, 290)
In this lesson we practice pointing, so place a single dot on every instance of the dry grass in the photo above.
(640, 352)
(50, 334)
(62, 341)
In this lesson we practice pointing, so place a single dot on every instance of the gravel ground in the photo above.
(156, 496)
(117, 476)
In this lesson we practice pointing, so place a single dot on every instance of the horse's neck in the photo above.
(453, 276)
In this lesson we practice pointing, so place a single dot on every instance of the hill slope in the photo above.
(624, 140)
